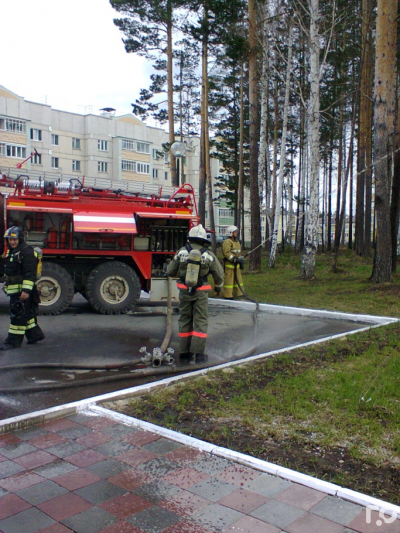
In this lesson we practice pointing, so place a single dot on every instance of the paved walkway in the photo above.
(92, 474)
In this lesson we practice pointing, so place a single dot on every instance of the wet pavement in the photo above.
(81, 336)
(93, 472)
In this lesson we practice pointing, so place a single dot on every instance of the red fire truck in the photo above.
(106, 244)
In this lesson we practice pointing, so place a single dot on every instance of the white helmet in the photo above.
(230, 230)
(198, 233)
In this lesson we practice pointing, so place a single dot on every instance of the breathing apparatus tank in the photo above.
(193, 268)
(39, 257)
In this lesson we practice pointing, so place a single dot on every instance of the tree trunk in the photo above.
(385, 82)
(241, 159)
(203, 160)
(307, 270)
(255, 258)
(170, 82)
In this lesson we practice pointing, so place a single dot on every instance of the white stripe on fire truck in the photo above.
(89, 218)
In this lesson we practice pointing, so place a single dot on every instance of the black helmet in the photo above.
(14, 233)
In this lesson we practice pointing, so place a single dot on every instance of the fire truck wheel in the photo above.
(113, 288)
(56, 289)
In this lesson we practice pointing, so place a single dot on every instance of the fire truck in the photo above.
(107, 244)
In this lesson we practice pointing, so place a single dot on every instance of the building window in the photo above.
(143, 168)
(11, 124)
(222, 230)
(76, 165)
(226, 213)
(166, 176)
(54, 162)
(37, 159)
(12, 150)
(143, 148)
(54, 139)
(76, 144)
(127, 144)
(102, 145)
(155, 173)
(127, 165)
(36, 135)
(102, 166)
(166, 157)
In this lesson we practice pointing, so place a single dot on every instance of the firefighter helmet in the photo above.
(198, 234)
(14, 233)
(230, 230)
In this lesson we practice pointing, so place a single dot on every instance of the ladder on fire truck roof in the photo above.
(132, 187)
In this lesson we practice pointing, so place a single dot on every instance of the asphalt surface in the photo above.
(80, 336)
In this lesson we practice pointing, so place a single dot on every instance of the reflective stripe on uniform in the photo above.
(17, 330)
(203, 288)
(193, 334)
(230, 266)
(26, 284)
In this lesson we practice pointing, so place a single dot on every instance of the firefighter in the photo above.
(19, 284)
(233, 264)
(193, 263)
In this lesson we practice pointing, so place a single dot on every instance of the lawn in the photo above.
(330, 410)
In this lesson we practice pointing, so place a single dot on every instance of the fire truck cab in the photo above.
(106, 244)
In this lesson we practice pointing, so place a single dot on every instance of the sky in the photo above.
(69, 54)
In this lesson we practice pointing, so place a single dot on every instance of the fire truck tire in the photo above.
(56, 289)
(113, 288)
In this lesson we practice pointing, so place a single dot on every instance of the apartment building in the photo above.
(102, 147)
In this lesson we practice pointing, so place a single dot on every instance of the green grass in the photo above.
(330, 410)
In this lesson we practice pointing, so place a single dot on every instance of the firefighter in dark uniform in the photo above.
(233, 264)
(193, 263)
(19, 284)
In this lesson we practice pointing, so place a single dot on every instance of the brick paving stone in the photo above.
(131, 479)
(337, 510)
(217, 516)
(55, 528)
(108, 468)
(55, 469)
(95, 438)
(125, 505)
(59, 424)
(64, 506)
(47, 440)
(376, 523)
(247, 524)
(98, 423)
(81, 418)
(154, 520)
(90, 521)
(311, 523)
(9, 468)
(114, 447)
(118, 430)
(136, 457)
(139, 438)
(184, 504)
(157, 491)
(212, 489)
(2, 458)
(161, 446)
(158, 467)
(184, 455)
(188, 527)
(30, 433)
(123, 527)
(74, 433)
(76, 479)
(300, 496)
(243, 500)
(16, 450)
(267, 485)
(65, 449)
(42, 492)
(20, 481)
(210, 465)
(85, 458)
(30, 521)
(3, 492)
(100, 492)
(185, 477)
(11, 505)
(238, 475)
(8, 439)
(35, 459)
(278, 514)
